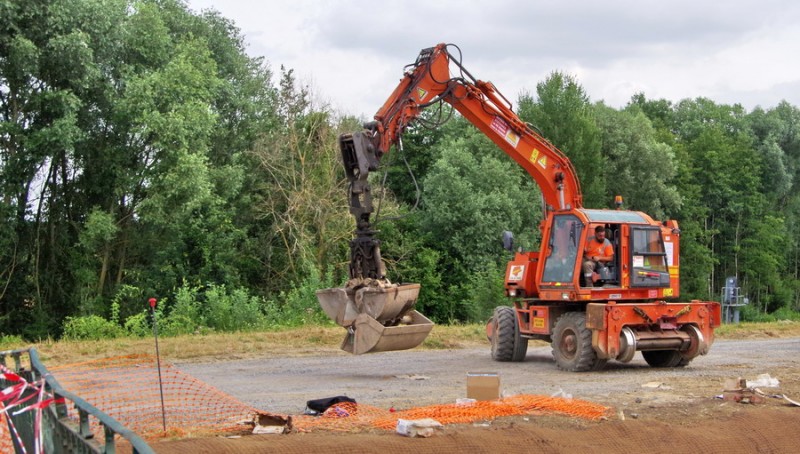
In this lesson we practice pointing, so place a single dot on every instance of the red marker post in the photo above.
(152, 302)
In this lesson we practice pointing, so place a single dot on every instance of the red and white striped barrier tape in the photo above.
(11, 397)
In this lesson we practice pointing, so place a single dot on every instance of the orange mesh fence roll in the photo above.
(349, 417)
(127, 389)
(6, 445)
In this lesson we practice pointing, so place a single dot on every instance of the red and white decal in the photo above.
(516, 272)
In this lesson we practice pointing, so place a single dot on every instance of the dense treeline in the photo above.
(143, 153)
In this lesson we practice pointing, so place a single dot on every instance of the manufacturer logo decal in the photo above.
(516, 272)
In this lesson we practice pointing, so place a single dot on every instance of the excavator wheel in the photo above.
(665, 358)
(507, 345)
(572, 344)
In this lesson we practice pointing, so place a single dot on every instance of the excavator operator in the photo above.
(597, 253)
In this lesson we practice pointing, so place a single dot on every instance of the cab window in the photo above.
(559, 265)
(648, 258)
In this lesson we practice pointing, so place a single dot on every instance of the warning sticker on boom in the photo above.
(534, 154)
(501, 127)
(512, 138)
(542, 162)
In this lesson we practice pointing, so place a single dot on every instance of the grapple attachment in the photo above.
(378, 316)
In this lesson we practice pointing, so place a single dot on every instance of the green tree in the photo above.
(563, 113)
(728, 172)
(470, 195)
(303, 192)
(643, 168)
(123, 130)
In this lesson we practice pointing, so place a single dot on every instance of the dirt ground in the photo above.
(652, 410)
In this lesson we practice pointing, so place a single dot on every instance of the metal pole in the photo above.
(158, 362)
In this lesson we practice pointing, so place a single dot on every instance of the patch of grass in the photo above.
(11, 343)
(782, 328)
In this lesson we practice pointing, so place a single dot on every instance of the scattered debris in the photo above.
(465, 401)
(316, 407)
(748, 392)
(417, 427)
(763, 381)
(793, 402)
(656, 385)
(561, 393)
(267, 423)
(413, 377)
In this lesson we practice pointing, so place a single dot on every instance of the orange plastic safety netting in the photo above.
(127, 389)
(348, 416)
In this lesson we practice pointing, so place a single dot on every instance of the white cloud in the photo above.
(353, 51)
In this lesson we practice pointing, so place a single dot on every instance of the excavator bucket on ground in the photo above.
(379, 317)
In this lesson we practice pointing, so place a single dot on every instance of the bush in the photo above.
(184, 317)
(91, 327)
(138, 325)
(481, 293)
(784, 313)
(232, 311)
(300, 305)
(11, 342)
(176, 325)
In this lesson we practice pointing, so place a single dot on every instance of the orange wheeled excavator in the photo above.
(617, 310)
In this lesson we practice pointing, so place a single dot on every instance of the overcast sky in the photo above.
(352, 52)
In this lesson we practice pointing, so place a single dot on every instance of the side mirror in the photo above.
(508, 241)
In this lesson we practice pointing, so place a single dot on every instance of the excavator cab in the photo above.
(643, 265)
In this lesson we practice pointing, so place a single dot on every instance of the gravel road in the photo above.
(424, 377)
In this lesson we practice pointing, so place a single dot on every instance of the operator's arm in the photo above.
(608, 253)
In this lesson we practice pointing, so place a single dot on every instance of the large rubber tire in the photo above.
(507, 345)
(572, 344)
(665, 358)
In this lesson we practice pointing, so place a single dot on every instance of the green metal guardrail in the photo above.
(60, 433)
